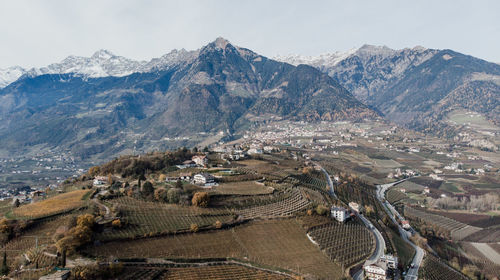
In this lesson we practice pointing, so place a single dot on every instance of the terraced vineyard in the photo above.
(456, 230)
(310, 182)
(149, 218)
(395, 196)
(143, 273)
(278, 243)
(344, 244)
(55, 205)
(293, 203)
(434, 269)
(39, 234)
(226, 271)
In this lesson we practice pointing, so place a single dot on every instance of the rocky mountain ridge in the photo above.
(219, 88)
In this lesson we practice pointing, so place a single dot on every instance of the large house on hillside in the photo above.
(376, 271)
(100, 180)
(390, 260)
(204, 180)
(339, 213)
(200, 160)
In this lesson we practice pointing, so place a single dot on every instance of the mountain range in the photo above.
(415, 87)
(106, 105)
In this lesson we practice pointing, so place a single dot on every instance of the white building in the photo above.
(405, 224)
(339, 213)
(376, 271)
(254, 151)
(204, 179)
(436, 177)
(100, 180)
(354, 206)
(390, 260)
(200, 160)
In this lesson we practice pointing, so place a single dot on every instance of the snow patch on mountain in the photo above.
(102, 63)
(9, 75)
(324, 60)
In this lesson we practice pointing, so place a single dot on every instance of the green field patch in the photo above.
(450, 187)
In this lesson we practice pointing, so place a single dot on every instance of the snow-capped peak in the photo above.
(9, 75)
(221, 43)
(102, 55)
(326, 59)
(102, 63)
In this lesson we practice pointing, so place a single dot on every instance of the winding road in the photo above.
(412, 273)
(379, 239)
(329, 180)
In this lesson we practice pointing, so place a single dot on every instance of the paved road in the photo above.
(329, 180)
(379, 246)
(379, 239)
(412, 273)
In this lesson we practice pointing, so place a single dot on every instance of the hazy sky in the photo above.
(36, 33)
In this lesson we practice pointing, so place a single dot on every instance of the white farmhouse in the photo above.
(100, 180)
(200, 160)
(339, 213)
(376, 271)
(390, 260)
(204, 179)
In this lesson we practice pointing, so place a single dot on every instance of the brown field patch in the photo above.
(221, 272)
(54, 205)
(243, 188)
(478, 220)
(279, 243)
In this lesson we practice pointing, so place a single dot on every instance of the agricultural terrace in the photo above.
(278, 243)
(344, 244)
(40, 233)
(143, 218)
(55, 205)
(434, 269)
(482, 259)
(271, 167)
(456, 230)
(243, 188)
(220, 270)
(395, 196)
(478, 220)
(294, 202)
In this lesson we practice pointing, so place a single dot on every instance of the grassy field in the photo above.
(243, 188)
(54, 205)
(278, 243)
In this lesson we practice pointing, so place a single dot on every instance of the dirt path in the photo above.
(487, 251)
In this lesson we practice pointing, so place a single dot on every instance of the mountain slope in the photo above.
(416, 87)
(220, 87)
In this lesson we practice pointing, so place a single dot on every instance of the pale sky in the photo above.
(37, 33)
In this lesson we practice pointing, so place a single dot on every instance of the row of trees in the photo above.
(486, 202)
(135, 166)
